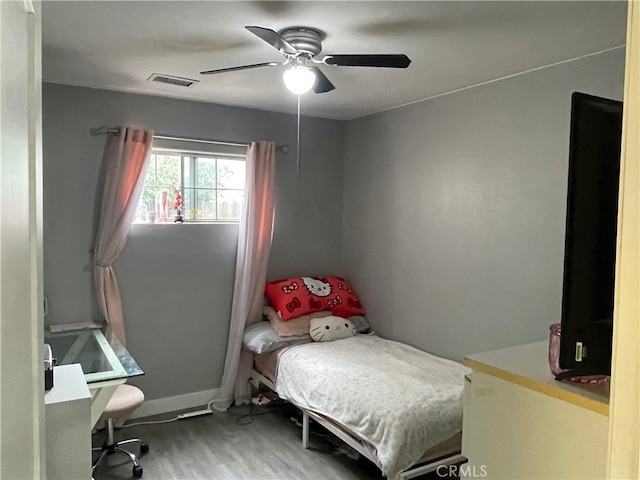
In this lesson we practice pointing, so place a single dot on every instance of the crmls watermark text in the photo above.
(467, 470)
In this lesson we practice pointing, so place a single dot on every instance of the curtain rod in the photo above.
(103, 130)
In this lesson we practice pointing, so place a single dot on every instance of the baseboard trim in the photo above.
(176, 403)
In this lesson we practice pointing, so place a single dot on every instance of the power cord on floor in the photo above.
(243, 419)
(150, 422)
(246, 418)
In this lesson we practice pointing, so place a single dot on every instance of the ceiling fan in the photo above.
(300, 45)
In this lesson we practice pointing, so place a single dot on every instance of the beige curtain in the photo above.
(124, 164)
(254, 246)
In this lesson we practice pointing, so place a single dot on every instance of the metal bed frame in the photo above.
(424, 466)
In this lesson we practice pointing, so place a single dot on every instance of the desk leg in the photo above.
(100, 396)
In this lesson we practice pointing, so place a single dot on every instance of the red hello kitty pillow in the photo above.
(297, 296)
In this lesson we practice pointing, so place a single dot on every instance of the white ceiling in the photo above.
(117, 45)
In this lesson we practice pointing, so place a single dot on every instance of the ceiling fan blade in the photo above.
(242, 67)
(367, 60)
(323, 84)
(273, 39)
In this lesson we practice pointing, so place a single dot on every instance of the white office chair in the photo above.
(124, 401)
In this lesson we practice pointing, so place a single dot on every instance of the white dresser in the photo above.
(520, 423)
(68, 425)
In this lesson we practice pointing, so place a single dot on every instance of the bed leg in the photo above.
(305, 429)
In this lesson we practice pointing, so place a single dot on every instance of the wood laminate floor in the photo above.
(218, 447)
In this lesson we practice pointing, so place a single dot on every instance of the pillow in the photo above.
(295, 326)
(297, 296)
(328, 329)
(261, 338)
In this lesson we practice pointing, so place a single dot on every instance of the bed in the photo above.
(398, 406)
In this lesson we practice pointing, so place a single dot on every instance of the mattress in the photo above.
(358, 417)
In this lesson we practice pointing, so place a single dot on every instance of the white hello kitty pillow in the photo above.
(327, 329)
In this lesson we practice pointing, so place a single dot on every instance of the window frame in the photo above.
(190, 157)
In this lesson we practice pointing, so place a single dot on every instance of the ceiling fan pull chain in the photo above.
(298, 149)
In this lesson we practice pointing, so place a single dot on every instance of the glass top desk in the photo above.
(105, 361)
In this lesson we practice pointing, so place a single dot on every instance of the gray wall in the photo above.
(452, 228)
(454, 209)
(176, 280)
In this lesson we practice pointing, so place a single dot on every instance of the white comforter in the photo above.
(401, 400)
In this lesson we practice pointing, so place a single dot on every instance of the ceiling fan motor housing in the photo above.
(306, 40)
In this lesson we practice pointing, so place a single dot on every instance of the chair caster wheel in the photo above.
(144, 448)
(137, 472)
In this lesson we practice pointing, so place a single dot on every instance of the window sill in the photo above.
(188, 222)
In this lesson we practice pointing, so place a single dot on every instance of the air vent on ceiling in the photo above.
(171, 80)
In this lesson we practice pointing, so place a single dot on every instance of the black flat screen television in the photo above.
(590, 238)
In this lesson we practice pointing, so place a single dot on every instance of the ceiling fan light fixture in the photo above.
(299, 79)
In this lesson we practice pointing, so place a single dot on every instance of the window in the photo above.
(209, 187)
